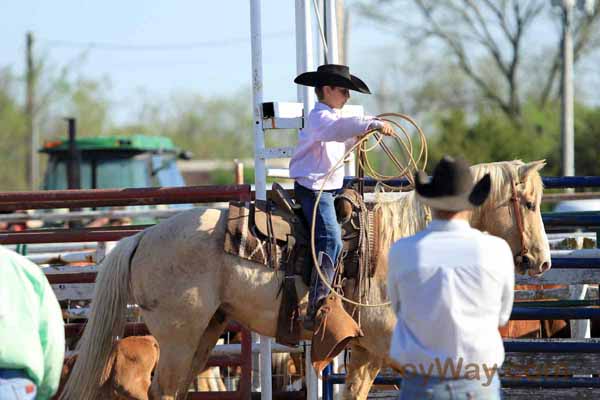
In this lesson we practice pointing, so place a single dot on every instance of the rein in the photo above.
(519, 218)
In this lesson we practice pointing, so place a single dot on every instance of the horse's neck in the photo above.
(395, 220)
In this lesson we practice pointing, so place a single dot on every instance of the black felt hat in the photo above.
(332, 75)
(451, 186)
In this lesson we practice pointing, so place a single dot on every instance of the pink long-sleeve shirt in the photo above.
(323, 143)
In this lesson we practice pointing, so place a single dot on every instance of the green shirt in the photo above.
(32, 335)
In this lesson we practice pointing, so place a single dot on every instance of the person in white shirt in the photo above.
(321, 145)
(451, 287)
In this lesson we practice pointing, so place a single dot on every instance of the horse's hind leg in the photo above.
(362, 371)
(178, 345)
(211, 335)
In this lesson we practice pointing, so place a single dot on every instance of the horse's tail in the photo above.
(106, 321)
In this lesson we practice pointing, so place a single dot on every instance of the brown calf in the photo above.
(127, 374)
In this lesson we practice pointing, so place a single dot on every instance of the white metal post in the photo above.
(304, 62)
(567, 118)
(331, 33)
(260, 173)
(320, 50)
(260, 180)
(333, 56)
(304, 53)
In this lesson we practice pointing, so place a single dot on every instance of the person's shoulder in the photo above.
(319, 114)
(490, 242)
(489, 238)
(406, 244)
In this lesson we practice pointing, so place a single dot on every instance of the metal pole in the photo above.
(304, 62)
(74, 169)
(321, 56)
(32, 142)
(260, 173)
(304, 53)
(331, 32)
(238, 172)
(567, 118)
(342, 20)
(333, 55)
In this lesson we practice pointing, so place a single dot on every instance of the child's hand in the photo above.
(387, 129)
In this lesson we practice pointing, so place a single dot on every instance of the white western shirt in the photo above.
(451, 287)
(323, 143)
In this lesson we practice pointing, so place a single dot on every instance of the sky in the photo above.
(167, 47)
(182, 46)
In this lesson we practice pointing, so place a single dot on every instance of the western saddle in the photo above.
(275, 233)
(281, 221)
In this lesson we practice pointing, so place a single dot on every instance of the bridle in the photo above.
(519, 218)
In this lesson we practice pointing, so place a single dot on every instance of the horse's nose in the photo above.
(534, 269)
(545, 267)
(539, 271)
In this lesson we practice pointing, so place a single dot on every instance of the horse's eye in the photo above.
(530, 205)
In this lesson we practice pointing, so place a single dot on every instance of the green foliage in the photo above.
(490, 136)
(587, 141)
(211, 128)
(13, 140)
(456, 117)
(88, 102)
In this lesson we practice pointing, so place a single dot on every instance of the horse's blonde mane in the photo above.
(406, 216)
(400, 218)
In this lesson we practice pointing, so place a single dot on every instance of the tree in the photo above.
(217, 127)
(587, 147)
(492, 137)
(486, 39)
(12, 133)
(211, 128)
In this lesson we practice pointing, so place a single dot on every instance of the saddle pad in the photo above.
(281, 227)
(240, 238)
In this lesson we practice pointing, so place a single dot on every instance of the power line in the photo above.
(161, 47)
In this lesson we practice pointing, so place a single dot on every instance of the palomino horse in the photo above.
(188, 288)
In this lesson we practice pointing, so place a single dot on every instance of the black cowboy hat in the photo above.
(332, 75)
(451, 187)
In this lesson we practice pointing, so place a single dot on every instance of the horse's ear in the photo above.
(527, 169)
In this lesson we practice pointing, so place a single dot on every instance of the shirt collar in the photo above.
(448, 225)
(323, 106)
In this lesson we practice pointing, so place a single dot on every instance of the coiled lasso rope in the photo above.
(405, 172)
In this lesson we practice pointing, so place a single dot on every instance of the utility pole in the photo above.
(31, 139)
(567, 115)
(567, 120)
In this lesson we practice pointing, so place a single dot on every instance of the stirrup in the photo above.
(309, 322)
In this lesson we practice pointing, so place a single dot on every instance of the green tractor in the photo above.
(113, 162)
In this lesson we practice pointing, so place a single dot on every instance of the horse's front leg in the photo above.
(362, 371)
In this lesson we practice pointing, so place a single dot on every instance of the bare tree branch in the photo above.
(462, 57)
(489, 41)
(550, 80)
(493, 31)
(584, 38)
(500, 13)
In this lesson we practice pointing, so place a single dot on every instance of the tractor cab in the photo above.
(114, 162)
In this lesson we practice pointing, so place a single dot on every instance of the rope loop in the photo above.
(404, 171)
